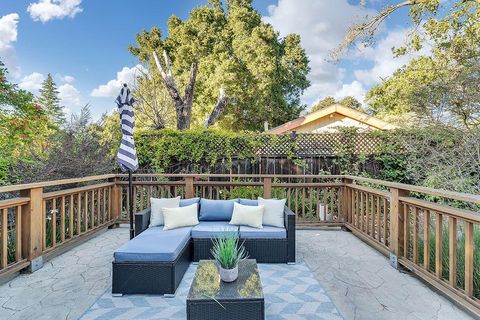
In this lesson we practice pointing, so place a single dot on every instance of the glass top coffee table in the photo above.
(211, 299)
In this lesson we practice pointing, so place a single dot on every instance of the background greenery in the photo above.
(437, 157)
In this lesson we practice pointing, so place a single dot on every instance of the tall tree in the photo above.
(50, 101)
(260, 76)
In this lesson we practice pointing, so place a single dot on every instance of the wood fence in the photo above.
(434, 233)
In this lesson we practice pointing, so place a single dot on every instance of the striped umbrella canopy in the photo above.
(127, 155)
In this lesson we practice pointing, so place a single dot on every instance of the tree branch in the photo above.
(167, 63)
(169, 81)
(159, 66)
(368, 28)
(218, 110)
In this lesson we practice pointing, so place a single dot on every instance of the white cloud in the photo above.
(32, 82)
(45, 10)
(322, 25)
(69, 95)
(384, 61)
(8, 35)
(112, 87)
(354, 89)
(67, 79)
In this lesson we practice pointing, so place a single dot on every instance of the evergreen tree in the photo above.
(50, 101)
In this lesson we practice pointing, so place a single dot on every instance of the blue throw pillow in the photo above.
(189, 202)
(216, 210)
(245, 202)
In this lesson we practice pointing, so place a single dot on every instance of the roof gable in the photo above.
(335, 108)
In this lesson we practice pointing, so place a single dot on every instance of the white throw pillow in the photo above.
(247, 215)
(157, 205)
(274, 212)
(180, 217)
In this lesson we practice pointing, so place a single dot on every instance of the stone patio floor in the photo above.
(358, 279)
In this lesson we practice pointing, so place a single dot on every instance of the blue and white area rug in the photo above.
(291, 292)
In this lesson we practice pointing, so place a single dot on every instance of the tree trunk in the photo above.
(183, 117)
(183, 106)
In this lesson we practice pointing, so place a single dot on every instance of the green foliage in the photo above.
(350, 102)
(263, 75)
(324, 103)
(227, 250)
(78, 150)
(445, 253)
(50, 101)
(442, 87)
(347, 159)
(201, 147)
(154, 109)
(347, 101)
(436, 157)
(24, 126)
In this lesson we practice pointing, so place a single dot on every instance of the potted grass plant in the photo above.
(228, 252)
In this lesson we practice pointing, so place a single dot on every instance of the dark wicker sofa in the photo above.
(163, 276)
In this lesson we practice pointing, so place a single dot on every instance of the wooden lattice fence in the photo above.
(324, 144)
(284, 154)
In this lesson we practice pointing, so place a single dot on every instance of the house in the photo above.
(330, 118)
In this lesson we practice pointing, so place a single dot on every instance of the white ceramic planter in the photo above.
(228, 275)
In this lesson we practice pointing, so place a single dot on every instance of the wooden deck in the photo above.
(432, 233)
(357, 278)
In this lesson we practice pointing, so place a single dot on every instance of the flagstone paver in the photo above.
(358, 279)
(67, 285)
(363, 285)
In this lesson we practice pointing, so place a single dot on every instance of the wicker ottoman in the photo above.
(211, 299)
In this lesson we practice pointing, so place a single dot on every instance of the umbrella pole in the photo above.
(130, 197)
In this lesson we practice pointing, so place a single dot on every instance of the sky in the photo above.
(84, 44)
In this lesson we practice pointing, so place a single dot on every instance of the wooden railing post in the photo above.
(397, 220)
(346, 200)
(267, 188)
(32, 228)
(116, 199)
(189, 190)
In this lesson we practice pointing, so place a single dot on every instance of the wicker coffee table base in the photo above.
(231, 310)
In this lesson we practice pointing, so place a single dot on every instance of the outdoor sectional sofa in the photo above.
(155, 261)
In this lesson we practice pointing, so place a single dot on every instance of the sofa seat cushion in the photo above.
(267, 232)
(154, 245)
(210, 229)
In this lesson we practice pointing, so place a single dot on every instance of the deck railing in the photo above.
(38, 220)
(433, 233)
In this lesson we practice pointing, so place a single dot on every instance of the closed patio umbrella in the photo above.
(127, 155)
